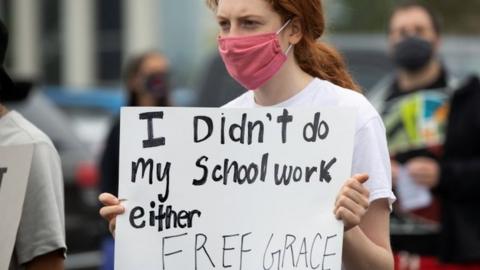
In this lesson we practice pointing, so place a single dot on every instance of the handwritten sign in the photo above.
(14, 170)
(232, 188)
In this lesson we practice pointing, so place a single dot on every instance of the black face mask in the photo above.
(156, 84)
(413, 53)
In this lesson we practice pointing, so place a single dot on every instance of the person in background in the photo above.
(146, 81)
(459, 183)
(414, 107)
(40, 242)
(414, 104)
(217, 87)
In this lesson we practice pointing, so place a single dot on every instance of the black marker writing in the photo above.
(316, 129)
(202, 246)
(152, 141)
(293, 249)
(242, 250)
(325, 174)
(245, 132)
(164, 255)
(225, 248)
(325, 254)
(208, 121)
(289, 240)
(163, 217)
(161, 172)
(3, 171)
(284, 119)
(285, 174)
(240, 173)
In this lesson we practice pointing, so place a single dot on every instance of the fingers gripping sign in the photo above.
(352, 201)
(111, 209)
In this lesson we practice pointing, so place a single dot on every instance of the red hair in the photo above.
(314, 57)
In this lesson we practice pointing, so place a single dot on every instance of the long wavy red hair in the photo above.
(314, 57)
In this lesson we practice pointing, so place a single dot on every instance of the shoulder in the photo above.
(469, 87)
(246, 100)
(347, 98)
(18, 130)
(370, 153)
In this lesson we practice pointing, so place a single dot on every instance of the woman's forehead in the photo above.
(240, 8)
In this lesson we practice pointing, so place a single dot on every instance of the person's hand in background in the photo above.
(424, 171)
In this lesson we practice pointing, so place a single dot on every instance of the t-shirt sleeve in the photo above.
(42, 225)
(370, 155)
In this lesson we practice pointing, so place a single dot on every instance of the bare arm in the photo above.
(50, 261)
(367, 246)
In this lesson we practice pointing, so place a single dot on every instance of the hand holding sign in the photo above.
(240, 189)
(111, 210)
(352, 201)
(350, 206)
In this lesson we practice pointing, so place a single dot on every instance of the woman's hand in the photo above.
(112, 208)
(352, 201)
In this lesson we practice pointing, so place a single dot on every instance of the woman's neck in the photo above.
(288, 82)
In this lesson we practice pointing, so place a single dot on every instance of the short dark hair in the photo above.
(433, 14)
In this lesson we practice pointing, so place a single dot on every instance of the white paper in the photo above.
(246, 226)
(411, 195)
(15, 164)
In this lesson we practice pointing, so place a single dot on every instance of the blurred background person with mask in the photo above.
(414, 108)
(40, 240)
(146, 82)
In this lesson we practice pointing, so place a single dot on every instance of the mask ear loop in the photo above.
(279, 31)
(288, 49)
(283, 27)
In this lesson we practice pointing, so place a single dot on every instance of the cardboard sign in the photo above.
(15, 164)
(232, 188)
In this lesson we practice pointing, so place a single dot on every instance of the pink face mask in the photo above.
(253, 60)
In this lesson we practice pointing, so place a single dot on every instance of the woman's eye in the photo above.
(249, 23)
(224, 25)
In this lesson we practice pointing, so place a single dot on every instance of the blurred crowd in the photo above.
(431, 114)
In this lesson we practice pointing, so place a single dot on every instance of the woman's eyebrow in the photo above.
(220, 17)
(243, 17)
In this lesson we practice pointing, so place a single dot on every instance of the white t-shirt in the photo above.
(42, 226)
(370, 153)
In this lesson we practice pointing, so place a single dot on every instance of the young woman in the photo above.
(271, 47)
